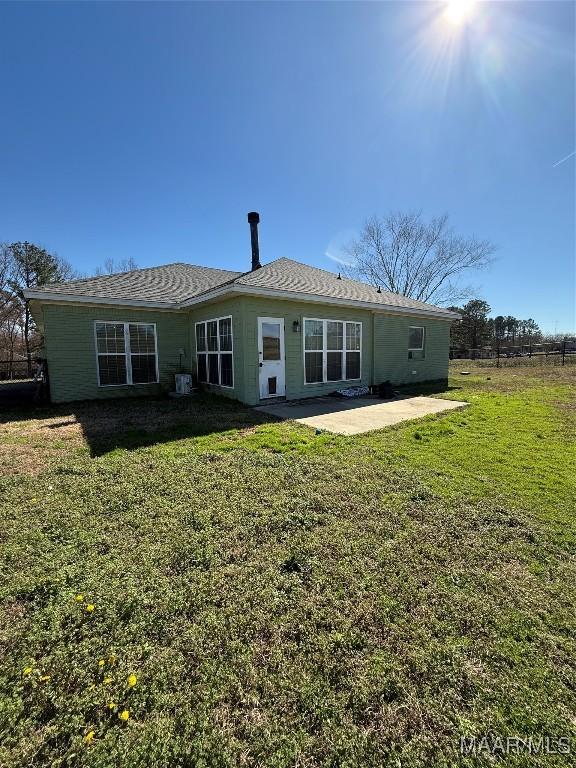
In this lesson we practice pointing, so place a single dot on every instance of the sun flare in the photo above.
(458, 12)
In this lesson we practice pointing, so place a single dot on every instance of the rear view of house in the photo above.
(281, 330)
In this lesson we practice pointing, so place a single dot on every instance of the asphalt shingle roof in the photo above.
(174, 284)
(287, 275)
(169, 284)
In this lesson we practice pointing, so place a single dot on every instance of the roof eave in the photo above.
(222, 291)
(320, 299)
(84, 299)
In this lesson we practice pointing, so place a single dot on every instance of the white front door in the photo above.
(272, 377)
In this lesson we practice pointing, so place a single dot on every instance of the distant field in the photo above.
(285, 598)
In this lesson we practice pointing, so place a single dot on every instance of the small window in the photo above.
(214, 361)
(271, 349)
(415, 342)
(126, 353)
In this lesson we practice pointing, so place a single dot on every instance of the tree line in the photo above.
(476, 329)
(26, 265)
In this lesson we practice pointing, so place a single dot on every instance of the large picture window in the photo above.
(416, 338)
(126, 353)
(214, 352)
(332, 350)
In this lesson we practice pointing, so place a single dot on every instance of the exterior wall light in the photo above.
(296, 326)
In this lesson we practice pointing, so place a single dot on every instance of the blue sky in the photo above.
(150, 129)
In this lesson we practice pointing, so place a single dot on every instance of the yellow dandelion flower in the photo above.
(89, 736)
(132, 681)
(124, 715)
(79, 598)
(44, 678)
(112, 658)
(27, 671)
(101, 662)
(107, 680)
(112, 705)
(90, 607)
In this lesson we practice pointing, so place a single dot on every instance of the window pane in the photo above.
(226, 370)
(202, 370)
(353, 335)
(225, 334)
(415, 338)
(212, 330)
(201, 338)
(313, 334)
(143, 369)
(352, 365)
(270, 341)
(142, 339)
(213, 369)
(313, 366)
(110, 337)
(334, 334)
(112, 369)
(334, 366)
(415, 354)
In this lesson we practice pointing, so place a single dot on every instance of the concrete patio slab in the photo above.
(353, 417)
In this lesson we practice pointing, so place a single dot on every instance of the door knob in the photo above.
(260, 364)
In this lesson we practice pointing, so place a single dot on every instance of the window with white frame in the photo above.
(416, 336)
(332, 350)
(126, 353)
(214, 352)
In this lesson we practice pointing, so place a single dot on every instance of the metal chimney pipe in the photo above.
(253, 220)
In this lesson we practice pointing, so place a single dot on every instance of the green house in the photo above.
(282, 330)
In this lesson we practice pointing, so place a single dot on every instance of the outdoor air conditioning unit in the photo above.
(183, 383)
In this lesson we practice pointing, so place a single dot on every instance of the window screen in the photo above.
(126, 353)
(214, 344)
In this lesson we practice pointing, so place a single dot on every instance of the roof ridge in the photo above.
(349, 279)
(325, 271)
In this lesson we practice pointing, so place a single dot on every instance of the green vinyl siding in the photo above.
(228, 307)
(391, 361)
(71, 353)
(70, 346)
(253, 307)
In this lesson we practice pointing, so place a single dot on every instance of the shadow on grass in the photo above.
(136, 424)
(108, 425)
(132, 423)
(427, 388)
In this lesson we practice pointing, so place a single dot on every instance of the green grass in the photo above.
(286, 598)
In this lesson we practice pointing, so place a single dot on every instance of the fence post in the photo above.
(563, 350)
(498, 355)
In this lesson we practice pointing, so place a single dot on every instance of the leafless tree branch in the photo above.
(425, 260)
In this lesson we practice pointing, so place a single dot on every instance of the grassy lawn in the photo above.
(285, 598)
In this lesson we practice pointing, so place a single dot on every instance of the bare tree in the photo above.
(404, 254)
(30, 266)
(5, 265)
(11, 337)
(112, 267)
